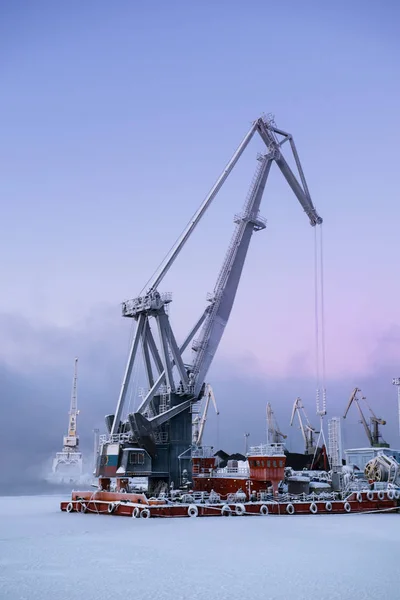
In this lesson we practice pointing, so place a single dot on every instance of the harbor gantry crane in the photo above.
(274, 435)
(162, 424)
(308, 432)
(199, 422)
(372, 431)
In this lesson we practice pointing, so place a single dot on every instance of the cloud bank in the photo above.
(36, 364)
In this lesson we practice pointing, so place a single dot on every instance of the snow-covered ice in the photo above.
(49, 555)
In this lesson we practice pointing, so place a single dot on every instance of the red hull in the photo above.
(126, 504)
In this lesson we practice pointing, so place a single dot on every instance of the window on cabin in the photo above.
(136, 458)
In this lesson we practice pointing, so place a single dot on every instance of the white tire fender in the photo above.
(193, 511)
(290, 509)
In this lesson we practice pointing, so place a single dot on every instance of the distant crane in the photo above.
(199, 422)
(307, 430)
(372, 431)
(68, 464)
(274, 435)
(71, 440)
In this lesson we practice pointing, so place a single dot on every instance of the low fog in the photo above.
(36, 373)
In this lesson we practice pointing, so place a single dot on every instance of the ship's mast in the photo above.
(71, 440)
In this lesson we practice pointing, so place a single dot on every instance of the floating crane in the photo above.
(199, 422)
(161, 427)
(372, 431)
(68, 464)
(308, 432)
(274, 435)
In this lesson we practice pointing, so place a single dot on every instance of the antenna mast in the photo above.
(396, 382)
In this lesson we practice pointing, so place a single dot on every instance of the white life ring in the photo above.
(70, 507)
(313, 508)
(111, 507)
(193, 511)
(290, 509)
(397, 494)
(240, 510)
(264, 510)
(136, 512)
(391, 494)
(381, 494)
(347, 507)
(359, 497)
(370, 495)
(226, 511)
(145, 514)
(328, 506)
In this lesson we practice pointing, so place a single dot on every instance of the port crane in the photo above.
(71, 440)
(161, 425)
(68, 464)
(274, 435)
(308, 432)
(199, 422)
(372, 431)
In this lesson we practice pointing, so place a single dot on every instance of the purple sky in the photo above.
(116, 121)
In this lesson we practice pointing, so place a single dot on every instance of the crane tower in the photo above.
(149, 441)
(68, 464)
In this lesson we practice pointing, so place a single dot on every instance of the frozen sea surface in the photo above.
(49, 555)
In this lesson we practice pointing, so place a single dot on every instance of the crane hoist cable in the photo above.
(319, 316)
